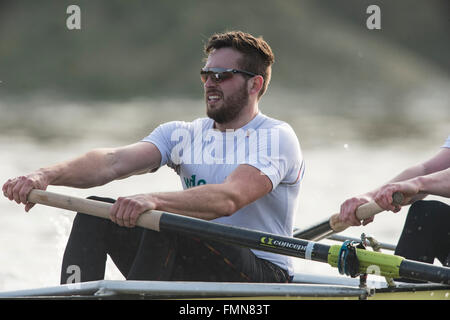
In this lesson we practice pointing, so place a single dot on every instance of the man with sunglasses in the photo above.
(237, 166)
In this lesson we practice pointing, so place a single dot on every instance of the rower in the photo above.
(254, 184)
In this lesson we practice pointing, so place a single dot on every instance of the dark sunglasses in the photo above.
(221, 74)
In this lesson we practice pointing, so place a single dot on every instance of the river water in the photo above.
(347, 151)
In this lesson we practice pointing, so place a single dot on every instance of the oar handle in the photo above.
(149, 219)
(364, 211)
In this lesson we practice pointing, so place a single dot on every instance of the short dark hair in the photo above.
(257, 54)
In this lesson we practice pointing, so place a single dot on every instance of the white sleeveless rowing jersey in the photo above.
(202, 155)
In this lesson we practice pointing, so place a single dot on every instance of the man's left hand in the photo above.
(126, 210)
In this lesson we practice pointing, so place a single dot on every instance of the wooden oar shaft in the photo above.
(149, 220)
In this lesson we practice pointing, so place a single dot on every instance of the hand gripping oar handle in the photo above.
(149, 220)
(334, 224)
(364, 211)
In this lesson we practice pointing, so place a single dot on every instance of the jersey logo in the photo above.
(192, 181)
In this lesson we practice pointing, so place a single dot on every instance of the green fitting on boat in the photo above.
(370, 262)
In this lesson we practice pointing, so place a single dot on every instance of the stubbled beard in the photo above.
(230, 108)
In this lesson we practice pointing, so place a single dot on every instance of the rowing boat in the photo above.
(349, 259)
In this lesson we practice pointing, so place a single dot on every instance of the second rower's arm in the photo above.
(437, 163)
(437, 183)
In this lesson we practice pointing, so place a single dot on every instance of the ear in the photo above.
(255, 84)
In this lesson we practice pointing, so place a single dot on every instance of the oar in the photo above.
(334, 224)
(369, 262)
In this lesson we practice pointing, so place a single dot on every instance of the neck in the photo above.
(247, 114)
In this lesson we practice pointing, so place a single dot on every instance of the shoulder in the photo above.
(272, 123)
(279, 137)
(281, 130)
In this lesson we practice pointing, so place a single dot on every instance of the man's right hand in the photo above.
(347, 212)
(19, 188)
(408, 188)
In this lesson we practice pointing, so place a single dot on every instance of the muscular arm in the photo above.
(243, 186)
(94, 168)
(437, 183)
(437, 163)
(101, 166)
